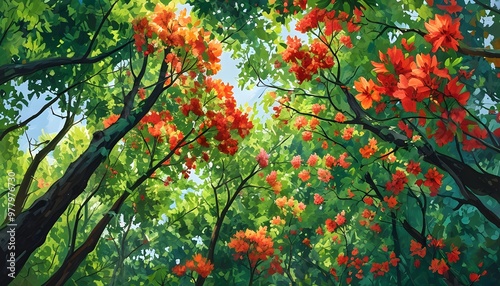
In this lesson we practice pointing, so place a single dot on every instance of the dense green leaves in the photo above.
(147, 175)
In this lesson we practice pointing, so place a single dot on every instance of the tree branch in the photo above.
(481, 52)
(11, 71)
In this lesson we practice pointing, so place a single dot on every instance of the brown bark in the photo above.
(33, 225)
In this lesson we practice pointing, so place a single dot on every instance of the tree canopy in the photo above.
(368, 156)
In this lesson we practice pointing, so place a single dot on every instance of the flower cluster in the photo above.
(254, 244)
(165, 28)
(290, 204)
(198, 264)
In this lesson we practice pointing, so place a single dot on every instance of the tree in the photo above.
(378, 163)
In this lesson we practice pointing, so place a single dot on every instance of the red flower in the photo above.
(330, 225)
(433, 180)
(417, 249)
(262, 158)
(399, 63)
(306, 135)
(179, 270)
(340, 218)
(444, 133)
(408, 47)
(313, 159)
(439, 266)
(275, 266)
(453, 255)
(376, 228)
(391, 201)
(398, 182)
(319, 230)
(318, 199)
(410, 92)
(300, 122)
(324, 175)
(443, 33)
(296, 161)
(452, 8)
(368, 200)
(474, 277)
(453, 90)
(342, 259)
(413, 167)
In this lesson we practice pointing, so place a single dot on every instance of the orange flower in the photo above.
(112, 119)
(443, 33)
(324, 175)
(367, 92)
(307, 242)
(306, 135)
(179, 270)
(277, 220)
(340, 117)
(281, 202)
(296, 161)
(439, 266)
(42, 184)
(313, 159)
(417, 249)
(391, 202)
(272, 180)
(260, 245)
(366, 152)
(198, 264)
(368, 200)
(347, 133)
(313, 123)
(304, 175)
(300, 122)
(204, 267)
(317, 108)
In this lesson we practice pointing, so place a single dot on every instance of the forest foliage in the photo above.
(369, 154)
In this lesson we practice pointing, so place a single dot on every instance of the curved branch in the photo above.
(22, 194)
(487, 7)
(11, 71)
(45, 107)
(94, 37)
(481, 52)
